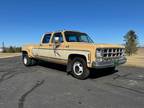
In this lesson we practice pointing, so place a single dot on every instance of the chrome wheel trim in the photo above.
(78, 68)
(25, 60)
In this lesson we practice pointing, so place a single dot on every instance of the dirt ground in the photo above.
(7, 55)
(136, 59)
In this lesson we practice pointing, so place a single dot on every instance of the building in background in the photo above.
(1, 49)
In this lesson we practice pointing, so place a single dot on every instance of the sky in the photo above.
(106, 21)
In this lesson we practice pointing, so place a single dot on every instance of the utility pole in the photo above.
(3, 46)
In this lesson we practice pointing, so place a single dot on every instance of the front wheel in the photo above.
(79, 68)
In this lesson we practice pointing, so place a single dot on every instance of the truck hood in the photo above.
(84, 45)
(108, 46)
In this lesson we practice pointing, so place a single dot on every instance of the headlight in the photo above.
(98, 53)
(99, 59)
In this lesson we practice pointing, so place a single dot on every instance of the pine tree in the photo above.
(131, 42)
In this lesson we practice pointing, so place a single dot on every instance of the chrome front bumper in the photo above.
(111, 63)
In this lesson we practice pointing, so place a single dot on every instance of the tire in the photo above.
(28, 61)
(79, 68)
(34, 62)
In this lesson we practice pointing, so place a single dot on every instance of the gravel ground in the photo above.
(48, 86)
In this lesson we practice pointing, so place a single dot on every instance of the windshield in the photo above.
(77, 37)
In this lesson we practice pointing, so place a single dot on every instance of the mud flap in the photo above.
(69, 67)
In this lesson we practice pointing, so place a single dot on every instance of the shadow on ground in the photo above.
(97, 73)
(58, 67)
(94, 73)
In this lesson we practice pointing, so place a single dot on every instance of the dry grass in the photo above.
(137, 59)
(7, 55)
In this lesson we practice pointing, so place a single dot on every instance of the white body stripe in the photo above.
(58, 53)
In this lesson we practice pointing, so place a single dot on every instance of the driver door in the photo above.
(58, 52)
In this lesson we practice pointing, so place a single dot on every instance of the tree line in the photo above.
(12, 49)
(130, 39)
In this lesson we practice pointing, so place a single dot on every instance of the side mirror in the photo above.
(56, 42)
(56, 39)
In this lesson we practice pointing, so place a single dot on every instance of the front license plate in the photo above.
(115, 62)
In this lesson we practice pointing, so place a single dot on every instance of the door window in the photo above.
(59, 35)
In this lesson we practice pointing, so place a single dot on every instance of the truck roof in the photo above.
(58, 31)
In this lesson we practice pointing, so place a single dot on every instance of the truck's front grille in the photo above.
(111, 52)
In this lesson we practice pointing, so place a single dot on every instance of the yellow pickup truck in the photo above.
(76, 50)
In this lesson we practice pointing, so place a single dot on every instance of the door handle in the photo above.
(67, 46)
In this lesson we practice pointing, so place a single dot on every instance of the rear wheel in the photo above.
(28, 61)
(79, 68)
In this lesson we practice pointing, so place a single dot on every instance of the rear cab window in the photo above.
(46, 38)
